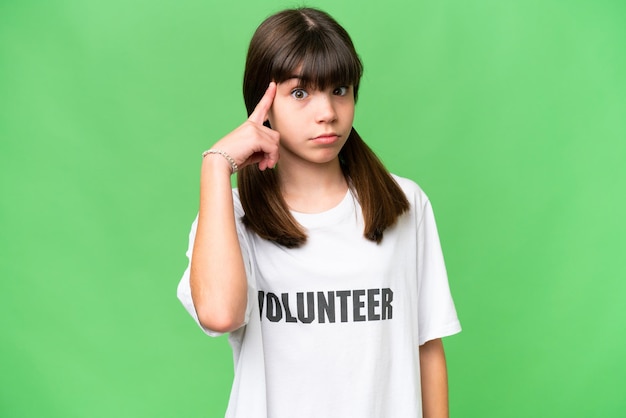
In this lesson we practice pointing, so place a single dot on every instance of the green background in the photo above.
(511, 114)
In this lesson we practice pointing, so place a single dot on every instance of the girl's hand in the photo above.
(252, 142)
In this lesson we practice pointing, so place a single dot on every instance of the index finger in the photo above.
(259, 115)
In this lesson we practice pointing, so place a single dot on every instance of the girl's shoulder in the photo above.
(239, 212)
(411, 189)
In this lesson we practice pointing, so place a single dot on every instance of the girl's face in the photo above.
(313, 124)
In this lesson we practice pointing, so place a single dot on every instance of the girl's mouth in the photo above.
(327, 138)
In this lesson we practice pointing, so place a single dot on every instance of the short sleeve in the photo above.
(184, 288)
(437, 315)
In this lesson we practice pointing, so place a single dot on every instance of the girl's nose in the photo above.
(325, 109)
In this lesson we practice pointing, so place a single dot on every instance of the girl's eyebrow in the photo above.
(294, 79)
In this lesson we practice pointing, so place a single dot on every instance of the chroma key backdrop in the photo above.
(510, 114)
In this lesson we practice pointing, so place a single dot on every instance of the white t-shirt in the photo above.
(333, 328)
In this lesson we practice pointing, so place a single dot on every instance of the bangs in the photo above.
(320, 61)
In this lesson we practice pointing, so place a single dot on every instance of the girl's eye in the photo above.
(340, 91)
(299, 94)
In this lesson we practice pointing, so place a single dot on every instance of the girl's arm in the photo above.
(434, 377)
(218, 277)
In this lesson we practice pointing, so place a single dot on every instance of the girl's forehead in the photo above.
(317, 62)
(310, 78)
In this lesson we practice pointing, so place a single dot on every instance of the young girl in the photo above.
(325, 269)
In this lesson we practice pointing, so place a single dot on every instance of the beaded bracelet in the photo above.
(233, 164)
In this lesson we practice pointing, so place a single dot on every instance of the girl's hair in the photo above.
(312, 42)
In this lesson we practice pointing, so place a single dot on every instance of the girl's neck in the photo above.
(312, 188)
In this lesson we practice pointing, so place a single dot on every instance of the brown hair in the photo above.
(313, 41)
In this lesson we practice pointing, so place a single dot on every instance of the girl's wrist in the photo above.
(227, 157)
(216, 164)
